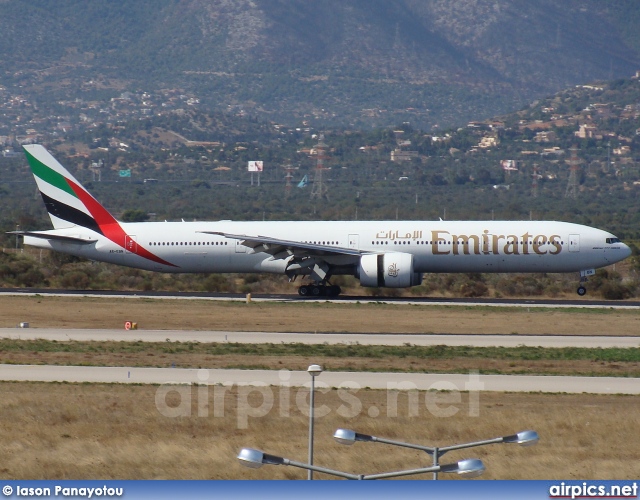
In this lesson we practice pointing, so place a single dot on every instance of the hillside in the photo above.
(360, 63)
(197, 164)
(198, 161)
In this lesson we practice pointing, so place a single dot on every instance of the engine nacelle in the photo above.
(391, 270)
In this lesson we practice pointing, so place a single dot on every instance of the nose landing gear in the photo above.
(584, 277)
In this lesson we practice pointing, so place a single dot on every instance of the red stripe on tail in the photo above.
(109, 226)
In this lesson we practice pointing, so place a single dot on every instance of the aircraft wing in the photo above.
(285, 248)
(56, 237)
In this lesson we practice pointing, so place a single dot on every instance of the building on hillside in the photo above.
(622, 150)
(488, 142)
(27, 139)
(552, 151)
(545, 136)
(398, 155)
(588, 132)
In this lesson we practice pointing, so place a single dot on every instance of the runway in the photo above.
(352, 380)
(63, 334)
(343, 299)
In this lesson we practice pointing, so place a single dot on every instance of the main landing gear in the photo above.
(319, 290)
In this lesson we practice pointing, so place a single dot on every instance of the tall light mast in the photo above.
(319, 189)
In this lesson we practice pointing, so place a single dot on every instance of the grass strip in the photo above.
(522, 353)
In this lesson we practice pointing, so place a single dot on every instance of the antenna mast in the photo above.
(319, 189)
(574, 168)
(288, 176)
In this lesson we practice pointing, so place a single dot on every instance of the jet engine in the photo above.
(391, 270)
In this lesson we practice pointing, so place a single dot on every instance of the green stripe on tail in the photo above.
(48, 175)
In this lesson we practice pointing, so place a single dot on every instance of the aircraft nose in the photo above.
(626, 250)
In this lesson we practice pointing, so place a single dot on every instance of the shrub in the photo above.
(473, 289)
(216, 283)
(31, 277)
(78, 280)
(613, 290)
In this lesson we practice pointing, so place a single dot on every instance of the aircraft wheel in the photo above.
(582, 291)
(317, 290)
(333, 291)
(303, 291)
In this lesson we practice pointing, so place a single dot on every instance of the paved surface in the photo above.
(63, 334)
(585, 302)
(400, 381)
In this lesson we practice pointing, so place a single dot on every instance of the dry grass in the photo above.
(408, 364)
(65, 431)
(173, 314)
(78, 431)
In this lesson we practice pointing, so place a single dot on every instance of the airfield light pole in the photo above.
(255, 459)
(348, 437)
(314, 371)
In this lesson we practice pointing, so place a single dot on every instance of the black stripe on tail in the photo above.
(70, 214)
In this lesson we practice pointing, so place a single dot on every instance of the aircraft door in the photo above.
(130, 244)
(354, 241)
(574, 242)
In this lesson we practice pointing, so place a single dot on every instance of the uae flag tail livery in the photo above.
(67, 202)
(73, 210)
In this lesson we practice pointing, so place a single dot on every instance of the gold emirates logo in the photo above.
(393, 270)
(445, 243)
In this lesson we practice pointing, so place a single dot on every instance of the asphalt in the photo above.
(65, 334)
(470, 382)
(584, 302)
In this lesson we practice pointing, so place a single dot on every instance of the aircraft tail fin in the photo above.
(68, 203)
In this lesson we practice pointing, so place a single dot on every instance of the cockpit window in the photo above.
(613, 240)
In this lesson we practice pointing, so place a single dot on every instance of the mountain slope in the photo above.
(363, 62)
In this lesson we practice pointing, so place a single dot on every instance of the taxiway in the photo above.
(396, 339)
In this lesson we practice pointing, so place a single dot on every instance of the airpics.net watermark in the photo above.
(258, 399)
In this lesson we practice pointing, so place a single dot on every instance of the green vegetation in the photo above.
(357, 65)
(521, 353)
(52, 270)
(448, 176)
(265, 354)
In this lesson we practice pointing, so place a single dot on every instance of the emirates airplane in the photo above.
(391, 254)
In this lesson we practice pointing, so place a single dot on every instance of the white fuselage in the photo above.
(437, 246)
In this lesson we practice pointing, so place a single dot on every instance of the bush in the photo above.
(32, 277)
(20, 271)
(216, 283)
(5, 272)
(134, 215)
(520, 285)
(473, 286)
(612, 290)
(78, 280)
(473, 289)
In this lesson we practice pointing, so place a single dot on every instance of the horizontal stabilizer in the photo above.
(57, 237)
